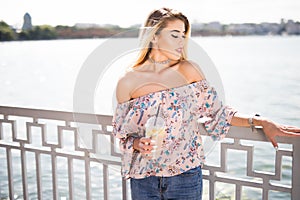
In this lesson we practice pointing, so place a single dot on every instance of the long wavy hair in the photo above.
(156, 21)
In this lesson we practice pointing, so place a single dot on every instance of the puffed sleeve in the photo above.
(120, 119)
(211, 112)
(122, 131)
(219, 115)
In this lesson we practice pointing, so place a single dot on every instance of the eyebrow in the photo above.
(177, 31)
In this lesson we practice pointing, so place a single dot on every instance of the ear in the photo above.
(154, 39)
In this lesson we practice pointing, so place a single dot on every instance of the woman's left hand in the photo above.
(272, 130)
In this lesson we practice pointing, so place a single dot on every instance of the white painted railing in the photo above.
(63, 155)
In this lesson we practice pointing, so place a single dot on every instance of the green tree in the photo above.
(47, 32)
(6, 33)
(44, 32)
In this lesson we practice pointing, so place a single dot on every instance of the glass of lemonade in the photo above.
(155, 130)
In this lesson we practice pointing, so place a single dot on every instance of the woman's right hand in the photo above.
(144, 145)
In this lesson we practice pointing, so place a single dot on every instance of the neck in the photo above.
(159, 66)
(163, 62)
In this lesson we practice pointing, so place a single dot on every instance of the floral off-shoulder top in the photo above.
(181, 108)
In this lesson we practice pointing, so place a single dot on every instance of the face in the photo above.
(170, 42)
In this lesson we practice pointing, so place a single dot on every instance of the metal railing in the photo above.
(63, 155)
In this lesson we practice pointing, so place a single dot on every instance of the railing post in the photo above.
(212, 186)
(24, 171)
(38, 175)
(54, 174)
(10, 173)
(295, 170)
(124, 189)
(87, 175)
(71, 178)
(105, 181)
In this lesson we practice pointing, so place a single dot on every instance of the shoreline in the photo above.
(194, 36)
(81, 31)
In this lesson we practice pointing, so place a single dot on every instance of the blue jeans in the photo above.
(185, 186)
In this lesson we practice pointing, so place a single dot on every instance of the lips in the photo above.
(179, 50)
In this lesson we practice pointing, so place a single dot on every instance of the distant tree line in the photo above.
(73, 32)
(46, 32)
(6, 33)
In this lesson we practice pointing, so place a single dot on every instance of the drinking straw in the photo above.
(157, 112)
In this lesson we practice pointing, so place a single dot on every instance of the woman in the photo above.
(164, 83)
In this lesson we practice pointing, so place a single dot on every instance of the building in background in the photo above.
(27, 25)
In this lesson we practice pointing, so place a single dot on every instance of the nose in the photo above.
(181, 41)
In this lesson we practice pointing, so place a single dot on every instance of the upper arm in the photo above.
(191, 71)
(123, 89)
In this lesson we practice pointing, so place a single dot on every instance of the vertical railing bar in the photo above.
(238, 193)
(105, 181)
(265, 192)
(60, 136)
(10, 173)
(1, 131)
(71, 178)
(124, 189)
(24, 171)
(295, 170)
(35, 120)
(223, 159)
(44, 135)
(14, 130)
(54, 176)
(112, 145)
(6, 117)
(38, 175)
(95, 142)
(250, 161)
(87, 176)
(212, 186)
(28, 132)
(278, 165)
(68, 123)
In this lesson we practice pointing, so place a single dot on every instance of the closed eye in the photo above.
(176, 36)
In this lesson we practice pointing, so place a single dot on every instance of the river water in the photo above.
(259, 75)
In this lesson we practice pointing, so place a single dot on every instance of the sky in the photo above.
(129, 12)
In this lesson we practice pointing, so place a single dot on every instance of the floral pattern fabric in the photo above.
(181, 108)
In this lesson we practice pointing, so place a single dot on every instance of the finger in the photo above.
(145, 149)
(142, 151)
(290, 129)
(145, 140)
(293, 129)
(148, 141)
(153, 142)
(286, 133)
(274, 143)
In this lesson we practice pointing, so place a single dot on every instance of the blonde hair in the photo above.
(156, 21)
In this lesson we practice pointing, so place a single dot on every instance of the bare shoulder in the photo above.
(124, 87)
(191, 71)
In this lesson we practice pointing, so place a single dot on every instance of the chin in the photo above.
(175, 56)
